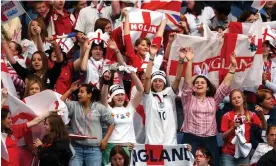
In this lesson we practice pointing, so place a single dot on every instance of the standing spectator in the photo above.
(200, 99)
(223, 15)
(61, 21)
(196, 15)
(13, 133)
(233, 122)
(122, 112)
(89, 15)
(78, 5)
(54, 149)
(266, 100)
(203, 157)
(268, 10)
(159, 100)
(87, 116)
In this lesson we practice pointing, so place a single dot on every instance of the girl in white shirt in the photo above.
(196, 15)
(159, 103)
(122, 112)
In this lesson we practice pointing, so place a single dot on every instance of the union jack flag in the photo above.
(171, 8)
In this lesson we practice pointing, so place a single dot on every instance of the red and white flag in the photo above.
(10, 10)
(6, 81)
(171, 8)
(258, 4)
(215, 53)
(169, 155)
(143, 23)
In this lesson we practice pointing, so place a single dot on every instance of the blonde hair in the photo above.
(41, 24)
(248, 118)
(33, 79)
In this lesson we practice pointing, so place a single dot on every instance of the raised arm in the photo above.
(188, 73)
(74, 86)
(112, 44)
(153, 51)
(4, 96)
(179, 70)
(116, 8)
(104, 91)
(140, 90)
(57, 49)
(39, 119)
(161, 28)
(260, 110)
(77, 63)
(8, 51)
(39, 42)
(85, 56)
(230, 75)
(169, 45)
(126, 26)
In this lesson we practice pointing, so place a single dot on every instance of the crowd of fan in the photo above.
(102, 102)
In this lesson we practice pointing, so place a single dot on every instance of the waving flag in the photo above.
(6, 80)
(10, 10)
(143, 23)
(169, 155)
(171, 8)
(258, 4)
(215, 54)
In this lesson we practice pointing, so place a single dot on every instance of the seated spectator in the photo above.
(236, 127)
(266, 100)
(203, 157)
(197, 15)
(200, 99)
(54, 149)
(247, 17)
(222, 15)
(118, 157)
(263, 148)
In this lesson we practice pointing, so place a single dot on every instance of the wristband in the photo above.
(231, 72)
(106, 82)
(151, 59)
(117, 51)
(181, 61)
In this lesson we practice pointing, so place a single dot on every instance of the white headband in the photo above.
(158, 74)
(114, 90)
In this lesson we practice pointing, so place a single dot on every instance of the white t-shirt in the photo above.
(124, 130)
(94, 71)
(89, 15)
(31, 48)
(205, 18)
(160, 122)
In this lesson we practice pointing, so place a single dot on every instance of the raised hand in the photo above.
(259, 109)
(75, 85)
(172, 37)
(189, 53)
(112, 44)
(81, 37)
(153, 49)
(4, 93)
(37, 30)
(233, 60)
(37, 143)
(87, 45)
(107, 76)
(182, 53)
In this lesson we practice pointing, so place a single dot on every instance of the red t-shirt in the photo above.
(116, 35)
(12, 146)
(63, 24)
(228, 121)
(64, 81)
(131, 58)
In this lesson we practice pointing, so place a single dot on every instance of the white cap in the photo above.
(158, 74)
(114, 90)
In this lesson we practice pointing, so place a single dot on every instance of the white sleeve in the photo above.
(147, 101)
(133, 92)
(270, 85)
(81, 22)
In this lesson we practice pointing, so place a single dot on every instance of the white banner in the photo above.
(168, 155)
(10, 10)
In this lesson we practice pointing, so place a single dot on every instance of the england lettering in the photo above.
(143, 27)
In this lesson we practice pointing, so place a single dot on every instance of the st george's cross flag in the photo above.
(167, 155)
(6, 81)
(215, 53)
(171, 8)
(33, 106)
(258, 4)
(143, 23)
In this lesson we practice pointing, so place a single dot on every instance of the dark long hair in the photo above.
(207, 153)
(58, 130)
(119, 150)
(4, 115)
(44, 64)
(199, 6)
(94, 91)
(212, 89)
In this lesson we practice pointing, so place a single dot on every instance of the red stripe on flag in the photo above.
(260, 47)
(3, 17)
(147, 22)
(156, 4)
(141, 112)
(4, 67)
(262, 2)
(235, 27)
(154, 153)
(227, 48)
